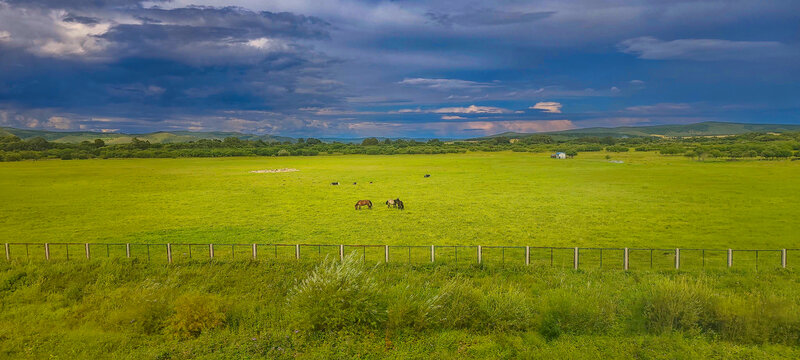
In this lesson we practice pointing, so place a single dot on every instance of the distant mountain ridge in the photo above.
(159, 137)
(709, 128)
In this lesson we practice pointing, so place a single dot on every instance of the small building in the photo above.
(559, 155)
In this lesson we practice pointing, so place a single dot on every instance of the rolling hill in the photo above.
(160, 137)
(710, 128)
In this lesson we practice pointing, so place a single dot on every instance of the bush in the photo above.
(759, 319)
(284, 152)
(336, 296)
(582, 312)
(196, 313)
(617, 148)
(678, 304)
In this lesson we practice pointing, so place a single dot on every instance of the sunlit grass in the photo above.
(477, 198)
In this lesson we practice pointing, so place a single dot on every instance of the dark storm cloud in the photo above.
(86, 20)
(80, 4)
(364, 67)
(245, 22)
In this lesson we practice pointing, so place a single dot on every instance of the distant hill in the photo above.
(709, 128)
(160, 137)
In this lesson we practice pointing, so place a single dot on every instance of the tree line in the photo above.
(751, 145)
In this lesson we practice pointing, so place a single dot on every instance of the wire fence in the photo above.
(572, 257)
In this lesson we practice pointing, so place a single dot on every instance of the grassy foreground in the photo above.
(241, 309)
(476, 198)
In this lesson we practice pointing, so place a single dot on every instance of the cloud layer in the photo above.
(411, 68)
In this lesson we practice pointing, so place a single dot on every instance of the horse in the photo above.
(361, 203)
(390, 203)
(399, 204)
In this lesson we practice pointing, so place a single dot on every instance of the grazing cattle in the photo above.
(390, 203)
(399, 204)
(427, 175)
(354, 183)
(362, 203)
(335, 183)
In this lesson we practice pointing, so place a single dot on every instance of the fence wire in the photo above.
(562, 257)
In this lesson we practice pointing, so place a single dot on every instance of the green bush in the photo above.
(337, 295)
(617, 148)
(759, 319)
(678, 304)
(576, 312)
(195, 314)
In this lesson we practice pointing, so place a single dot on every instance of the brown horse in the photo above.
(361, 203)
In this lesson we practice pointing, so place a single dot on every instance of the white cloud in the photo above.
(444, 84)
(551, 107)
(452, 117)
(58, 123)
(660, 108)
(702, 49)
(472, 109)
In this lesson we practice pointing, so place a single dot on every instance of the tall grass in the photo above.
(244, 309)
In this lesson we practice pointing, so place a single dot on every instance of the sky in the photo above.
(356, 68)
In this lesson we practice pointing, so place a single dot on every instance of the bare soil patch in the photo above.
(274, 171)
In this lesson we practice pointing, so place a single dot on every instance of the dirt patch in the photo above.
(274, 171)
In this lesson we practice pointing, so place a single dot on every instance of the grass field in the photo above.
(322, 309)
(470, 199)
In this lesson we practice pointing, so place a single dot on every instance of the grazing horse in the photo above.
(399, 204)
(391, 203)
(361, 203)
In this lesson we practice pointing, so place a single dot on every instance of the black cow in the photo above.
(335, 183)
(427, 175)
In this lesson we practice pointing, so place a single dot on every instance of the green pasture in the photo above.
(504, 198)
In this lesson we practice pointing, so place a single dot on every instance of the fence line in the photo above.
(575, 257)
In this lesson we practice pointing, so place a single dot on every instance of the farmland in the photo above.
(471, 199)
(234, 307)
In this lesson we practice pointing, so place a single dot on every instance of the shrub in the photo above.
(581, 312)
(759, 319)
(617, 148)
(196, 313)
(459, 306)
(338, 295)
(678, 304)
(283, 152)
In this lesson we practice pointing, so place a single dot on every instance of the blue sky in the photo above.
(395, 68)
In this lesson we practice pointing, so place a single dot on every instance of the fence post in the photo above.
(47, 251)
(297, 251)
(575, 260)
(386, 253)
(8, 253)
(433, 254)
(255, 251)
(480, 253)
(625, 260)
(210, 251)
(730, 257)
(783, 257)
(527, 255)
(128, 250)
(677, 258)
(169, 253)
(87, 249)
(341, 253)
